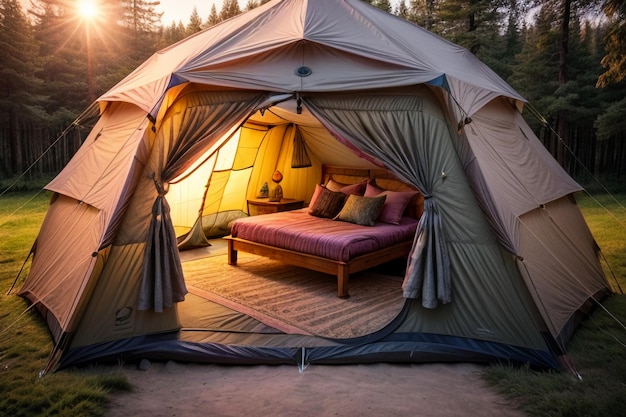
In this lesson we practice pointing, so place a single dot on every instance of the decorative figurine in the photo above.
(277, 192)
(264, 192)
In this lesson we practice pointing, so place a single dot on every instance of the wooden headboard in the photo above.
(383, 179)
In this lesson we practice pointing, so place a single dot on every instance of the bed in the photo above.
(327, 244)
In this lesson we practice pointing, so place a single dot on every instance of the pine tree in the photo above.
(195, 22)
(403, 10)
(230, 8)
(251, 4)
(383, 5)
(615, 41)
(469, 23)
(19, 97)
(139, 20)
(64, 54)
(214, 18)
(422, 13)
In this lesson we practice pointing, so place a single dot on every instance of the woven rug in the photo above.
(294, 299)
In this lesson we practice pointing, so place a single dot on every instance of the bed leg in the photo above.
(343, 277)
(232, 253)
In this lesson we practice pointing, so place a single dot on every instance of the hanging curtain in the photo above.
(300, 156)
(395, 131)
(190, 127)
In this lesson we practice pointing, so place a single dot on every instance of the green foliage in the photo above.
(195, 23)
(612, 122)
(19, 87)
(615, 44)
(230, 8)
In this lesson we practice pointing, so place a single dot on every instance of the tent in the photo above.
(186, 138)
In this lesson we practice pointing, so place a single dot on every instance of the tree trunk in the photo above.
(14, 142)
(563, 121)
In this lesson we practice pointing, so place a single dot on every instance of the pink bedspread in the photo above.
(341, 241)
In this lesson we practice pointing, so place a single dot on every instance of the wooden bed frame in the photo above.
(339, 268)
(316, 263)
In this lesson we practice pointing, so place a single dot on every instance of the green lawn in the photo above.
(598, 348)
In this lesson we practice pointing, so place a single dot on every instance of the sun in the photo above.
(87, 9)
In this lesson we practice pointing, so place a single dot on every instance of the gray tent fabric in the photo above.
(371, 124)
(201, 125)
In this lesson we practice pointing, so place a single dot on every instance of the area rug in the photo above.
(294, 299)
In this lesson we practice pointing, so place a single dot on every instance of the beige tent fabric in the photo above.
(91, 189)
(560, 276)
(60, 272)
(347, 44)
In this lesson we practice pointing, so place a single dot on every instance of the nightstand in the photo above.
(264, 206)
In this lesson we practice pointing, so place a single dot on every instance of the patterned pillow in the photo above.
(327, 204)
(361, 210)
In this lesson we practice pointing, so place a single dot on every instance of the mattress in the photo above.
(298, 231)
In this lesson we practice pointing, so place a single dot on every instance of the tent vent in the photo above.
(303, 72)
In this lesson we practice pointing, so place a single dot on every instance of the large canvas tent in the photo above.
(502, 266)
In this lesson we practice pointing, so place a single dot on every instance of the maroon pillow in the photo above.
(316, 193)
(328, 204)
(358, 188)
(372, 190)
(394, 206)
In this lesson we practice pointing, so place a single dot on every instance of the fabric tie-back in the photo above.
(191, 126)
(395, 131)
(428, 270)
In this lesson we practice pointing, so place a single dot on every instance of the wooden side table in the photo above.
(264, 206)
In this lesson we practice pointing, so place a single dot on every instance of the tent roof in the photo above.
(354, 47)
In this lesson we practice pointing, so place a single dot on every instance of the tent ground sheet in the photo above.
(295, 300)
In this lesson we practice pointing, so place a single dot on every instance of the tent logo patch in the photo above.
(122, 316)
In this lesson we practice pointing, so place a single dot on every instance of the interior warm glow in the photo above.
(87, 9)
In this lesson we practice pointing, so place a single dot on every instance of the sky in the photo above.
(180, 10)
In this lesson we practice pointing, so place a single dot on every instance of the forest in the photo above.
(566, 57)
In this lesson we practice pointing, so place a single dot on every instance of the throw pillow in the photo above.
(358, 188)
(327, 204)
(361, 210)
(394, 206)
(316, 194)
(333, 185)
(372, 190)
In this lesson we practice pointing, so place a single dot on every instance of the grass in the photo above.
(24, 339)
(598, 348)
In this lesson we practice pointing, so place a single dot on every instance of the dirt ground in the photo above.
(167, 389)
